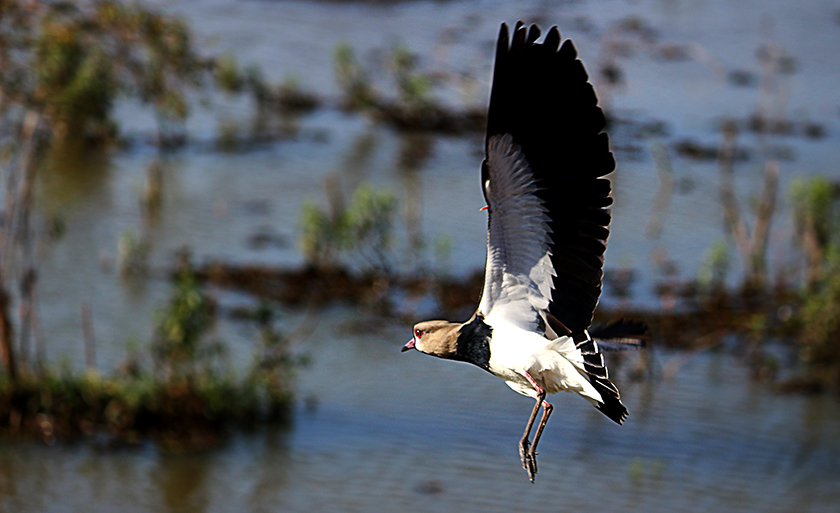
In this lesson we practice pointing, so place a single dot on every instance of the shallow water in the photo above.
(216, 202)
(403, 432)
(387, 431)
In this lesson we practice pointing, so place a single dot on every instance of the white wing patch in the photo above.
(518, 273)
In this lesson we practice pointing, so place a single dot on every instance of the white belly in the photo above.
(554, 364)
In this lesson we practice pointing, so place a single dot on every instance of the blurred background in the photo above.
(221, 219)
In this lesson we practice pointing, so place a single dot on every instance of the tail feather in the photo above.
(612, 408)
(596, 371)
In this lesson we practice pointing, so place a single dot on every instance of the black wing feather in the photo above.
(542, 98)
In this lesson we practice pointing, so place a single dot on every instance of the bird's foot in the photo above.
(529, 458)
(532, 464)
(524, 445)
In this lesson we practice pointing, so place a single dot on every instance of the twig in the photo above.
(731, 211)
(764, 217)
(90, 341)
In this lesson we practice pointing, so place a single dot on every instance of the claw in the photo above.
(531, 467)
(524, 454)
(529, 458)
(532, 457)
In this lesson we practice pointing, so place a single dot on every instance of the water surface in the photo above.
(387, 431)
(396, 432)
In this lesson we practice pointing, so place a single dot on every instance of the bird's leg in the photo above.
(547, 409)
(529, 457)
(524, 443)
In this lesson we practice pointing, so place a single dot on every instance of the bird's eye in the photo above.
(418, 333)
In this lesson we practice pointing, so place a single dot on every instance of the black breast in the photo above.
(473, 344)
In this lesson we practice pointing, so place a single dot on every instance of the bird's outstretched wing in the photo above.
(542, 177)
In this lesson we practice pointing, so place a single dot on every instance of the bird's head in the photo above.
(437, 338)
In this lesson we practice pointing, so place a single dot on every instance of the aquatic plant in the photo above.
(132, 255)
(370, 219)
(714, 267)
(357, 91)
(178, 415)
(274, 105)
(819, 337)
(70, 61)
(188, 402)
(750, 241)
(414, 107)
(179, 339)
(361, 231)
(815, 217)
(227, 74)
(63, 65)
(291, 97)
(273, 366)
(413, 86)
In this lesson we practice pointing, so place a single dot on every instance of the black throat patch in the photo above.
(473, 345)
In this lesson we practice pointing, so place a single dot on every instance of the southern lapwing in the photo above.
(548, 220)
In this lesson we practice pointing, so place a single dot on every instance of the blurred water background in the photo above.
(374, 429)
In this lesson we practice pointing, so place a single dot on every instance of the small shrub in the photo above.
(815, 211)
(815, 217)
(132, 255)
(292, 98)
(714, 267)
(227, 74)
(413, 87)
(819, 337)
(362, 232)
(189, 406)
(182, 326)
(352, 78)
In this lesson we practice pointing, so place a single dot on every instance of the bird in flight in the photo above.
(548, 221)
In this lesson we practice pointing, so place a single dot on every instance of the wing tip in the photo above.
(504, 37)
(523, 35)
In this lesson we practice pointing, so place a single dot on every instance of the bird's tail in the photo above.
(598, 375)
(590, 377)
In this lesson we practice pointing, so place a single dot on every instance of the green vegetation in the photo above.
(414, 108)
(69, 62)
(715, 267)
(353, 80)
(62, 68)
(413, 86)
(187, 402)
(180, 338)
(63, 65)
(820, 320)
(362, 231)
(815, 210)
(286, 98)
(803, 307)
(815, 218)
